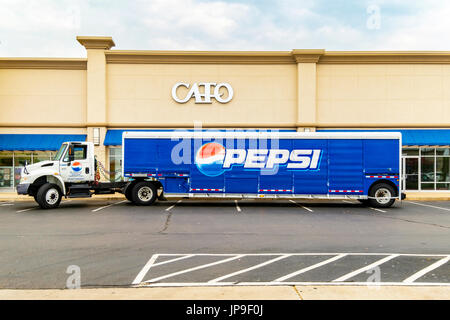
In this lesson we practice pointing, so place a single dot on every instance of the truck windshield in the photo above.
(60, 152)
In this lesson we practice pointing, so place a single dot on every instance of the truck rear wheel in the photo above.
(48, 196)
(144, 193)
(381, 195)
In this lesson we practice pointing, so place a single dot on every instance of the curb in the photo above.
(235, 293)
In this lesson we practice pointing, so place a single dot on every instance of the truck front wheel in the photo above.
(48, 196)
(381, 195)
(144, 193)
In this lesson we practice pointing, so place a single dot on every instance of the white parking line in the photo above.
(173, 260)
(25, 210)
(314, 266)
(195, 268)
(347, 201)
(145, 269)
(301, 206)
(368, 267)
(428, 205)
(172, 206)
(424, 271)
(6, 204)
(249, 269)
(109, 205)
(237, 206)
(376, 209)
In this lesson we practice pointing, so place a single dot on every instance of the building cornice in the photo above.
(307, 55)
(385, 57)
(319, 56)
(43, 63)
(102, 43)
(199, 57)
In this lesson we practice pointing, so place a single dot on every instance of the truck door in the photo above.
(76, 165)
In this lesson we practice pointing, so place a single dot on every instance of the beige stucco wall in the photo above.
(140, 94)
(383, 94)
(53, 97)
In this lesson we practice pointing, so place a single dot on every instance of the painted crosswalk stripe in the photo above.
(368, 267)
(314, 266)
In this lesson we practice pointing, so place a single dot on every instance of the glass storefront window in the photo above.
(39, 156)
(443, 169)
(427, 151)
(115, 163)
(410, 151)
(427, 186)
(20, 159)
(442, 186)
(6, 170)
(427, 169)
(433, 165)
(442, 151)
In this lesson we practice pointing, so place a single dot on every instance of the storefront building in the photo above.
(44, 102)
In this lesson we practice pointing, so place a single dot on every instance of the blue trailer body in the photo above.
(264, 164)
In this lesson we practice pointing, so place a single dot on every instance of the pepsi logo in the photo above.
(209, 159)
(76, 166)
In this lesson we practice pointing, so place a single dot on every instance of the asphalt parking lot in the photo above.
(245, 242)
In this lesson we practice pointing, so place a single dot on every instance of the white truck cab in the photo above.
(71, 173)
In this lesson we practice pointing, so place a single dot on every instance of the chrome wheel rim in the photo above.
(52, 196)
(145, 194)
(383, 195)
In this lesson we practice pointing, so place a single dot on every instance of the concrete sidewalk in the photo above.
(414, 196)
(237, 293)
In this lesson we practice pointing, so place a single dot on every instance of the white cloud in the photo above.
(48, 28)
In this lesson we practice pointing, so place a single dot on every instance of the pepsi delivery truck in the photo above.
(278, 165)
(233, 165)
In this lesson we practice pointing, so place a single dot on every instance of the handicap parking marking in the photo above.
(366, 268)
(156, 279)
(426, 270)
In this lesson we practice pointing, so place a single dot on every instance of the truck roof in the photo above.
(258, 135)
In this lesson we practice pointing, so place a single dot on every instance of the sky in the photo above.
(48, 28)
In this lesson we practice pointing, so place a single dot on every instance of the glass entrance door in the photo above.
(411, 173)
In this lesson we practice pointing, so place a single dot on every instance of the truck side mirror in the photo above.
(70, 155)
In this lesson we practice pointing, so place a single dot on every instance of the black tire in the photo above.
(144, 193)
(49, 196)
(128, 192)
(379, 193)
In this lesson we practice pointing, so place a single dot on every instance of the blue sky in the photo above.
(47, 28)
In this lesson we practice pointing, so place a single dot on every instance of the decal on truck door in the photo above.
(212, 159)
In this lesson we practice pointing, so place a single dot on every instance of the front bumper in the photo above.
(23, 188)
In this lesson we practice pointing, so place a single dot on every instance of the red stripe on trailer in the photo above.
(345, 191)
(275, 190)
(389, 177)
